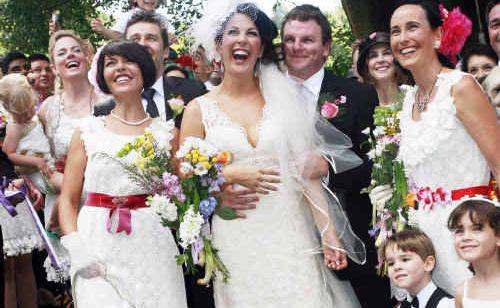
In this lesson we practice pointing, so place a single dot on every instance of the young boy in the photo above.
(410, 259)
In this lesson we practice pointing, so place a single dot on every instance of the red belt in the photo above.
(458, 194)
(122, 204)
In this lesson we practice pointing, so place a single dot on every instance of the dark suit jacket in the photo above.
(172, 87)
(355, 115)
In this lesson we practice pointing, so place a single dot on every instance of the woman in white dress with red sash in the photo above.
(450, 138)
(121, 255)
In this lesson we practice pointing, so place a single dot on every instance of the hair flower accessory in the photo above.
(456, 29)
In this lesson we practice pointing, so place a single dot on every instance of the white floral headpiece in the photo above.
(216, 14)
(480, 198)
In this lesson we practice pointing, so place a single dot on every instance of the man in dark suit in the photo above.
(306, 43)
(147, 29)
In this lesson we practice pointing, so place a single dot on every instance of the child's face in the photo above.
(407, 270)
(148, 5)
(475, 241)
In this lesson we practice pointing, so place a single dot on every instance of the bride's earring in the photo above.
(258, 68)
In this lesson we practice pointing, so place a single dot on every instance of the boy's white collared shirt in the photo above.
(425, 294)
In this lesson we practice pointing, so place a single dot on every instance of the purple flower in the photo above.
(196, 249)
(172, 186)
(207, 207)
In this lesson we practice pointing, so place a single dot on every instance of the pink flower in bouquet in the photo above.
(329, 110)
(342, 99)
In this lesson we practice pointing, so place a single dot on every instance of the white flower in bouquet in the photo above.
(379, 131)
(163, 206)
(185, 168)
(366, 131)
(201, 168)
(207, 150)
(188, 144)
(190, 227)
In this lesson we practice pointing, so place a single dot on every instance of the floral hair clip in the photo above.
(456, 29)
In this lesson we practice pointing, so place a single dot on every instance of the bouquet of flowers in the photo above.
(388, 169)
(201, 171)
(187, 203)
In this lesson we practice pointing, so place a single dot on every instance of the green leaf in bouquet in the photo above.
(225, 212)
(171, 224)
(196, 199)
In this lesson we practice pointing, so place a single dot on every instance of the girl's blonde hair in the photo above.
(16, 94)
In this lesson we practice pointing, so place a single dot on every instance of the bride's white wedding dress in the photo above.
(269, 252)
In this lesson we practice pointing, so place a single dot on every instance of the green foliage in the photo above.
(24, 24)
(340, 60)
(182, 13)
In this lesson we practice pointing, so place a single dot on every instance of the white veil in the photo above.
(303, 135)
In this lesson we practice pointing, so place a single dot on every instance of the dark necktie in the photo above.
(151, 108)
(412, 304)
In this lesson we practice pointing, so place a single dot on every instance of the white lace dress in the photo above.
(19, 233)
(438, 152)
(269, 253)
(141, 266)
(59, 129)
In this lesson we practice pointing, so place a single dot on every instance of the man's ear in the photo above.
(326, 48)
(429, 263)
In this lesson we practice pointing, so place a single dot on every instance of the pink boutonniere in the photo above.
(331, 107)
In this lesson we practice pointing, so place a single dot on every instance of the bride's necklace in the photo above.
(422, 102)
(130, 123)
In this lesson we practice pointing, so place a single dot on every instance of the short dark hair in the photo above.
(9, 57)
(133, 52)
(308, 12)
(266, 27)
(490, 7)
(433, 14)
(481, 212)
(477, 50)
(176, 68)
(152, 18)
(37, 57)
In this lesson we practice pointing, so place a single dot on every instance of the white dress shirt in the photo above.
(159, 98)
(310, 88)
(425, 294)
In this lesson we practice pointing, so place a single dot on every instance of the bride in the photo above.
(255, 114)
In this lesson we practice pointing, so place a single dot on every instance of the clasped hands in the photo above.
(245, 182)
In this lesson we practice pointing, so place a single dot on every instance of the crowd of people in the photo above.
(324, 215)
